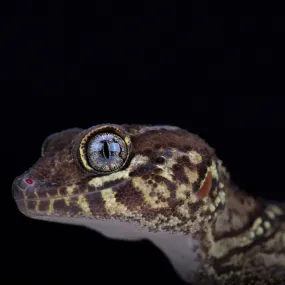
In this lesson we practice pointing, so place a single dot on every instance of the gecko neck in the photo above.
(232, 238)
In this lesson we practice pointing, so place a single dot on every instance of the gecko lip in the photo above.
(18, 195)
(36, 190)
(23, 189)
(16, 192)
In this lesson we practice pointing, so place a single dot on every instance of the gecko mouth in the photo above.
(32, 205)
(23, 192)
(37, 198)
(17, 192)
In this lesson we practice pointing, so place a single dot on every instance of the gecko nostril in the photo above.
(29, 181)
(25, 182)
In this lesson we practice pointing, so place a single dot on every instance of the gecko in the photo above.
(160, 183)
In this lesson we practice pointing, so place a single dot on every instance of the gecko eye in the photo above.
(104, 149)
(106, 152)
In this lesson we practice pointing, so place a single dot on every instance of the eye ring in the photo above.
(103, 149)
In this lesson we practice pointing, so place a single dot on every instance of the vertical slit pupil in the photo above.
(106, 151)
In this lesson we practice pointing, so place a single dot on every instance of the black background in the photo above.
(214, 69)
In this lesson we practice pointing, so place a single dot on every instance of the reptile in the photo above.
(160, 183)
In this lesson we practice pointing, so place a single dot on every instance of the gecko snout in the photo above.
(22, 186)
(26, 187)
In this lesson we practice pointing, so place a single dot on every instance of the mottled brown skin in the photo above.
(172, 182)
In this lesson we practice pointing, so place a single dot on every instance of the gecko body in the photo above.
(160, 183)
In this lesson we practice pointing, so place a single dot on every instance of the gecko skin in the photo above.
(163, 184)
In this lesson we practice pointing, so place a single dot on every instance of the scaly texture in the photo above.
(173, 184)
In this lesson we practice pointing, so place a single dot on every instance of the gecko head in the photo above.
(160, 177)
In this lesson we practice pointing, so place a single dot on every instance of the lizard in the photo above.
(160, 183)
